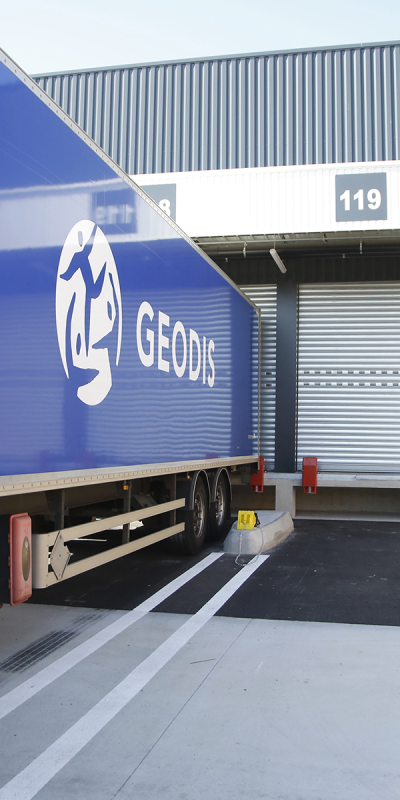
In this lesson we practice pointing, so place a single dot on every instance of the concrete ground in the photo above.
(249, 706)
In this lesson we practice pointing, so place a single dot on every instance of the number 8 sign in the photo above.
(361, 197)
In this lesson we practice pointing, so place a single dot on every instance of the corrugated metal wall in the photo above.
(315, 107)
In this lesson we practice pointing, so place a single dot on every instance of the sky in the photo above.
(54, 35)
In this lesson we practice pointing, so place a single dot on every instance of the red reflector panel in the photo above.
(20, 558)
(310, 469)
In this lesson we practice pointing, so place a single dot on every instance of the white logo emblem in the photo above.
(88, 301)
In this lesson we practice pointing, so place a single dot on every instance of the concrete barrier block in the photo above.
(274, 527)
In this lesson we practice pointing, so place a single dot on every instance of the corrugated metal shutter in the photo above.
(265, 298)
(349, 376)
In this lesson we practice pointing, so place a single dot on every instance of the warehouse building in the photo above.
(285, 169)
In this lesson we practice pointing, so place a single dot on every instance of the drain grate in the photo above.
(46, 645)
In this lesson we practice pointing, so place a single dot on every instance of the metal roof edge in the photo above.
(211, 173)
(176, 62)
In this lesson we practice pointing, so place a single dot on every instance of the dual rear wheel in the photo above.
(204, 520)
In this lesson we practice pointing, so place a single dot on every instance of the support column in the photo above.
(285, 496)
(56, 505)
(286, 377)
(126, 529)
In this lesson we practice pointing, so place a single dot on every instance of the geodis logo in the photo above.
(89, 309)
(88, 306)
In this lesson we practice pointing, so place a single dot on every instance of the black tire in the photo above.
(220, 509)
(191, 540)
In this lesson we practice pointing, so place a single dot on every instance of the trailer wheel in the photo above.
(191, 540)
(220, 510)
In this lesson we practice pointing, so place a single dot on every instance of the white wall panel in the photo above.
(271, 200)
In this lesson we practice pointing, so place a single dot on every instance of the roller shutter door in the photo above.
(265, 298)
(349, 376)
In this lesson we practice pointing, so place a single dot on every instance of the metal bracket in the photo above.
(127, 497)
(60, 556)
(56, 504)
(257, 478)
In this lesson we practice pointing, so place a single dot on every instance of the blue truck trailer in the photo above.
(129, 385)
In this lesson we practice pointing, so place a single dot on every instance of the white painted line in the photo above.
(31, 780)
(10, 701)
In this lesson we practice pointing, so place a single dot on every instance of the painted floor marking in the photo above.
(31, 780)
(10, 701)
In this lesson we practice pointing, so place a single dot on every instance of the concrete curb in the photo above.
(274, 527)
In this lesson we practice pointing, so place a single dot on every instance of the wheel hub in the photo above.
(219, 505)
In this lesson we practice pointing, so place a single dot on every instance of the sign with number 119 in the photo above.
(361, 197)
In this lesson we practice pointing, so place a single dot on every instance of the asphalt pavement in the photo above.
(326, 571)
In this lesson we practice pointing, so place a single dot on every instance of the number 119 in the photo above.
(374, 199)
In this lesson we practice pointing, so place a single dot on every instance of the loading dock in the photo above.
(299, 153)
(330, 335)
